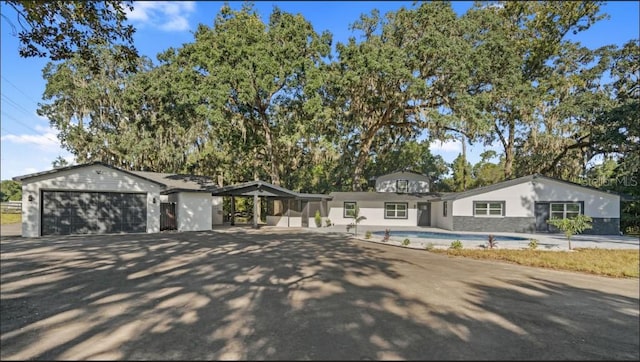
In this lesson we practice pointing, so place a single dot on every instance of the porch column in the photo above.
(256, 208)
(233, 210)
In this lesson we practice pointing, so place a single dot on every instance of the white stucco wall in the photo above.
(417, 183)
(374, 213)
(89, 178)
(193, 211)
(439, 221)
(216, 210)
(285, 221)
(520, 199)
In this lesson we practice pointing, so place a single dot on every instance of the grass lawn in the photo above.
(10, 218)
(607, 262)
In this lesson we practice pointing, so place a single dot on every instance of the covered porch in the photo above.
(285, 208)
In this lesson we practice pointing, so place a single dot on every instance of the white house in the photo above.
(97, 198)
(519, 205)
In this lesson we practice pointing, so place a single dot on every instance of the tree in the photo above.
(258, 85)
(487, 173)
(520, 38)
(355, 214)
(572, 226)
(61, 29)
(10, 190)
(461, 173)
(59, 162)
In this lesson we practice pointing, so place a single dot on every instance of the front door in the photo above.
(542, 215)
(424, 214)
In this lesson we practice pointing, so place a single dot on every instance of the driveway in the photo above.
(289, 294)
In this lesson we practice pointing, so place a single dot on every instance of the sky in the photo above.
(28, 144)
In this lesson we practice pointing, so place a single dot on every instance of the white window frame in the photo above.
(564, 211)
(396, 210)
(405, 188)
(489, 206)
(345, 214)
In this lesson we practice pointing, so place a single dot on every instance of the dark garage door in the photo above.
(72, 212)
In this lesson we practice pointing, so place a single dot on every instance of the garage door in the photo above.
(72, 212)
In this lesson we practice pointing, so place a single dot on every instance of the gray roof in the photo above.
(382, 196)
(67, 168)
(265, 189)
(513, 182)
(179, 182)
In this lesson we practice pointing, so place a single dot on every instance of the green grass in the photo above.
(607, 262)
(10, 218)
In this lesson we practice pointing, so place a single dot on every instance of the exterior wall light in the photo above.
(30, 198)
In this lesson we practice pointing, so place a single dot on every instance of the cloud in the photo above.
(46, 140)
(446, 146)
(164, 15)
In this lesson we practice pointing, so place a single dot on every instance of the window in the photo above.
(349, 209)
(488, 208)
(565, 210)
(402, 186)
(395, 210)
(444, 209)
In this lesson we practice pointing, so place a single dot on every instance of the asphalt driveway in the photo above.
(289, 294)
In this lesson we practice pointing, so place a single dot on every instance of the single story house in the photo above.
(520, 205)
(98, 198)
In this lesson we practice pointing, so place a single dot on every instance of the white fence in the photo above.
(11, 207)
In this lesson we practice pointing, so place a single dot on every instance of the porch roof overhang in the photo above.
(265, 189)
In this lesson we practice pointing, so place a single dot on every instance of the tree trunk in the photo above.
(358, 170)
(464, 164)
(273, 168)
(508, 146)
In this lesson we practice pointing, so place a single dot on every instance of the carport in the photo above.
(296, 205)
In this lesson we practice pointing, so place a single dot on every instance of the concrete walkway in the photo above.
(545, 241)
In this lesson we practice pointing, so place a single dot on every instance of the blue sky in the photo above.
(28, 144)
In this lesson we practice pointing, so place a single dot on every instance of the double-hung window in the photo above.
(488, 208)
(565, 210)
(395, 210)
(349, 209)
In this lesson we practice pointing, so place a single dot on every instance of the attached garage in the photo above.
(74, 212)
(89, 199)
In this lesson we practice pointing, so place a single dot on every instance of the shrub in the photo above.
(387, 235)
(406, 242)
(429, 247)
(457, 244)
(533, 244)
(367, 235)
(327, 222)
(572, 226)
(318, 219)
(491, 242)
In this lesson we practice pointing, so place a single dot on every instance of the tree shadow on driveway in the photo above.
(279, 294)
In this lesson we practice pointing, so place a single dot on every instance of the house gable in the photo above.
(403, 182)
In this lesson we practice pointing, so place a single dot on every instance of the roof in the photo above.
(383, 196)
(516, 181)
(171, 182)
(179, 182)
(67, 168)
(391, 175)
(264, 189)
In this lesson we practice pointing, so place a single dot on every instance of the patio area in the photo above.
(545, 241)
